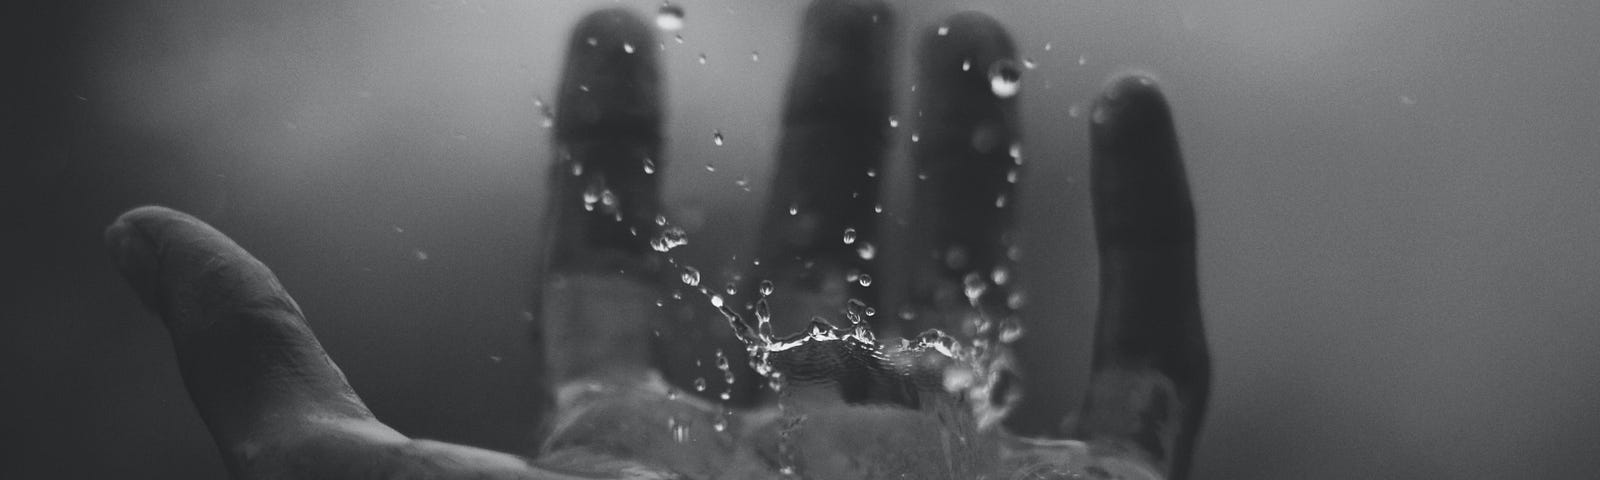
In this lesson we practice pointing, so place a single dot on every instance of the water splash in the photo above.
(669, 238)
(954, 390)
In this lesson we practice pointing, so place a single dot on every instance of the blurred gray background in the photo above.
(1397, 206)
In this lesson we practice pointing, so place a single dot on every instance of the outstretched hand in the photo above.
(278, 407)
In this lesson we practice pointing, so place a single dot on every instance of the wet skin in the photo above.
(278, 407)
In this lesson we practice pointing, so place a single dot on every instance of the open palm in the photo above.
(278, 407)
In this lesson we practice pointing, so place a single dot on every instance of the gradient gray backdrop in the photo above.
(1397, 205)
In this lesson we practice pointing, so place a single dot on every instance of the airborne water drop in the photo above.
(1005, 79)
(669, 17)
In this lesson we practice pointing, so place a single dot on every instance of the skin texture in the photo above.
(278, 406)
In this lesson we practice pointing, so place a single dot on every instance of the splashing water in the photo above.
(669, 238)
(853, 405)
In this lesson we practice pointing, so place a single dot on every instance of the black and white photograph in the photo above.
(801, 239)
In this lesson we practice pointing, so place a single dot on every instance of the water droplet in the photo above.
(794, 209)
(720, 424)
(702, 59)
(1074, 110)
(1005, 79)
(1015, 152)
(716, 137)
(877, 209)
(1099, 115)
(849, 236)
(627, 47)
(669, 17)
(915, 138)
(577, 168)
(755, 56)
(700, 384)
(691, 277)
(866, 251)
(649, 166)
(420, 255)
(1029, 64)
(680, 432)
(677, 38)
(974, 286)
(1011, 176)
(1000, 275)
(1010, 330)
(1016, 300)
(866, 280)
(1082, 60)
(591, 196)
(766, 287)
(1000, 201)
(710, 167)
(1048, 46)
(730, 288)
(669, 238)
(743, 183)
(592, 41)
(966, 65)
(763, 314)
(894, 122)
(661, 220)
(944, 30)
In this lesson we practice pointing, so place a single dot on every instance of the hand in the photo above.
(278, 407)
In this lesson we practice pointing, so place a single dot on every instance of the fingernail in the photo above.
(134, 256)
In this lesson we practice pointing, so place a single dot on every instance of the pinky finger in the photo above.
(1151, 370)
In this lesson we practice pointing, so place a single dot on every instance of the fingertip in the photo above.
(133, 253)
(843, 68)
(968, 42)
(845, 21)
(968, 80)
(1139, 187)
(870, 11)
(610, 83)
(611, 28)
(1132, 101)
